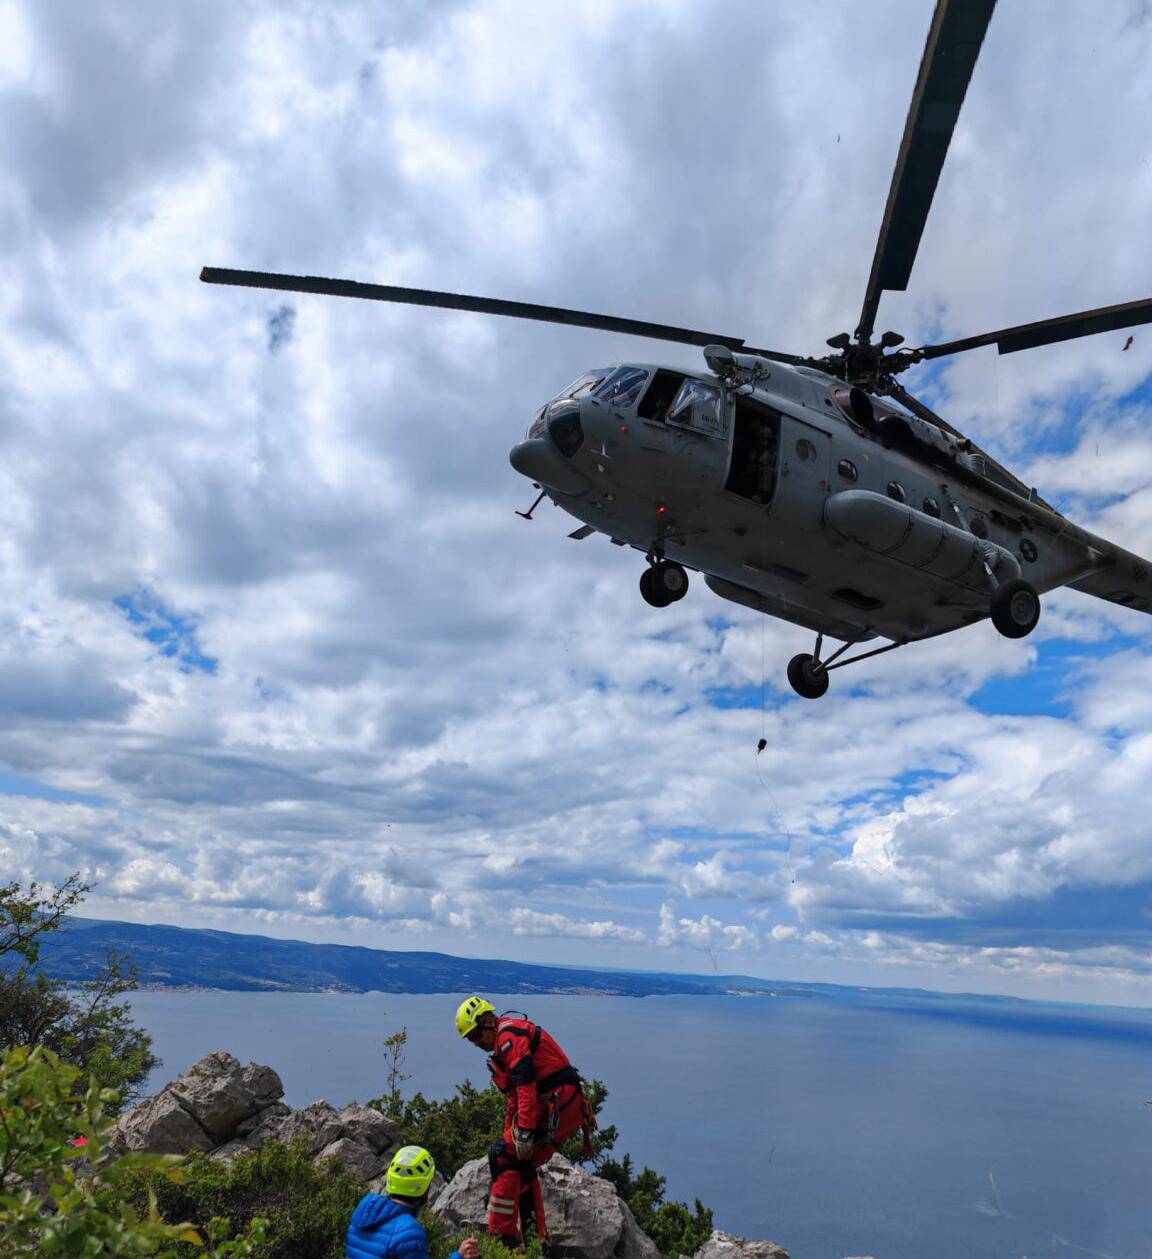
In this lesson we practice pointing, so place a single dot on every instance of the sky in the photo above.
(277, 655)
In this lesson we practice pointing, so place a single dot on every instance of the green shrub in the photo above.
(307, 1208)
(86, 1024)
(62, 1186)
(674, 1228)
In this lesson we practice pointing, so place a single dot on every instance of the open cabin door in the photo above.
(755, 451)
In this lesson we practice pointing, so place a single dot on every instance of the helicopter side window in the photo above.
(697, 406)
(661, 392)
(623, 387)
(755, 445)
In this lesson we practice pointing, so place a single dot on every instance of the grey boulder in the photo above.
(586, 1218)
(723, 1245)
(220, 1094)
(318, 1124)
(365, 1123)
(161, 1126)
(357, 1156)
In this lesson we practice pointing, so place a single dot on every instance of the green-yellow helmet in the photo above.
(468, 1015)
(410, 1172)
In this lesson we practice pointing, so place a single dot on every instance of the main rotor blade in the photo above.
(950, 53)
(481, 305)
(1026, 336)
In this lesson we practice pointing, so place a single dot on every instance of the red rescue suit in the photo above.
(545, 1100)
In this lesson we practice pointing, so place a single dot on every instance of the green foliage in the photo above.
(395, 1059)
(674, 1228)
(307, 1208)
(442, 1241)
(90, 1027)
(61, 1182)
(453, 1130)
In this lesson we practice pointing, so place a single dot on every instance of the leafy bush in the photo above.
(61, 1184)
(89, 1026)
(307, 1207)
(672, 1226)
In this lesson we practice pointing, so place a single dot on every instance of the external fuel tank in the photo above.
(920, 541)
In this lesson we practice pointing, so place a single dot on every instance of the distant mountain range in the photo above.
(182, 957)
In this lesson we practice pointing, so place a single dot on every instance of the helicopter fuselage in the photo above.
(820, 505)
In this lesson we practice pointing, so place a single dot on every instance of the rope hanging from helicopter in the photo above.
(762, 745)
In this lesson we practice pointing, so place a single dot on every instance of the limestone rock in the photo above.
(319, 1123)
(162, 1126)
(723, 1245)
(365, 1123)
(357, 1156)
(464, 1201)
(634, 1243)
(586, 1218)
(264, 1125)
(220, 1094)
(585, 1214)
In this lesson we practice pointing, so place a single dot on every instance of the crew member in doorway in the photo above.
(546, 1105)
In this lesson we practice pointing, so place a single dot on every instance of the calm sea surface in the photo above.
(949, 1129)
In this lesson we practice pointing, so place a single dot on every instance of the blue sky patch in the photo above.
(172, 633)
(281, 327)
(34, 789)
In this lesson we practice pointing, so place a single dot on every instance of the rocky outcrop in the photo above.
(221, 1108)
(723, 1245)
(586, 1218)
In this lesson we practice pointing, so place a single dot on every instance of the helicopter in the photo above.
(815, 489)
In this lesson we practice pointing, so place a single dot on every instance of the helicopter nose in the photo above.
(539, 460)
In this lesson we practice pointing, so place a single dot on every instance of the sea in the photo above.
(851, 1125)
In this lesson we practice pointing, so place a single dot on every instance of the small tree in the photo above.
(61, 1177)
(395, 1059)
(90, 1026)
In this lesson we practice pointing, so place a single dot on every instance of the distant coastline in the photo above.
(187, 959)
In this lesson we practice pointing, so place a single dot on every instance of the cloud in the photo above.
(265, 606)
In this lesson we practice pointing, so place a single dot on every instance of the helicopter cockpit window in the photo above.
(697, 406)
(582, 386)
(623, 387)
(660, 395)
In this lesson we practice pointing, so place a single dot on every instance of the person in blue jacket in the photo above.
(388, 1227)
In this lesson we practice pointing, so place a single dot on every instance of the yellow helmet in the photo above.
(468, 1015)
(410, 1172)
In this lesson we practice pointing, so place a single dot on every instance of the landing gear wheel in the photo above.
(650, 591)
(669, 580)
(1015, 608)
(806, 679)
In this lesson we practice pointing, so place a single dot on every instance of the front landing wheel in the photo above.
(1015, 608)
(806, 677)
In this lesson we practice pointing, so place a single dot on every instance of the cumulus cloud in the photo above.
(275, 649)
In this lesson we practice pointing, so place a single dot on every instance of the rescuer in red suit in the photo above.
(546, 1105)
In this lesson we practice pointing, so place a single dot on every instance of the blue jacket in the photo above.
(383, 1229)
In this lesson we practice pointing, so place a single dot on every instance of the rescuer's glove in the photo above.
(524, 1141)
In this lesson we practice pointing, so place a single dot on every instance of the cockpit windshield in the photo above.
(582, 386)
(623, 387)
